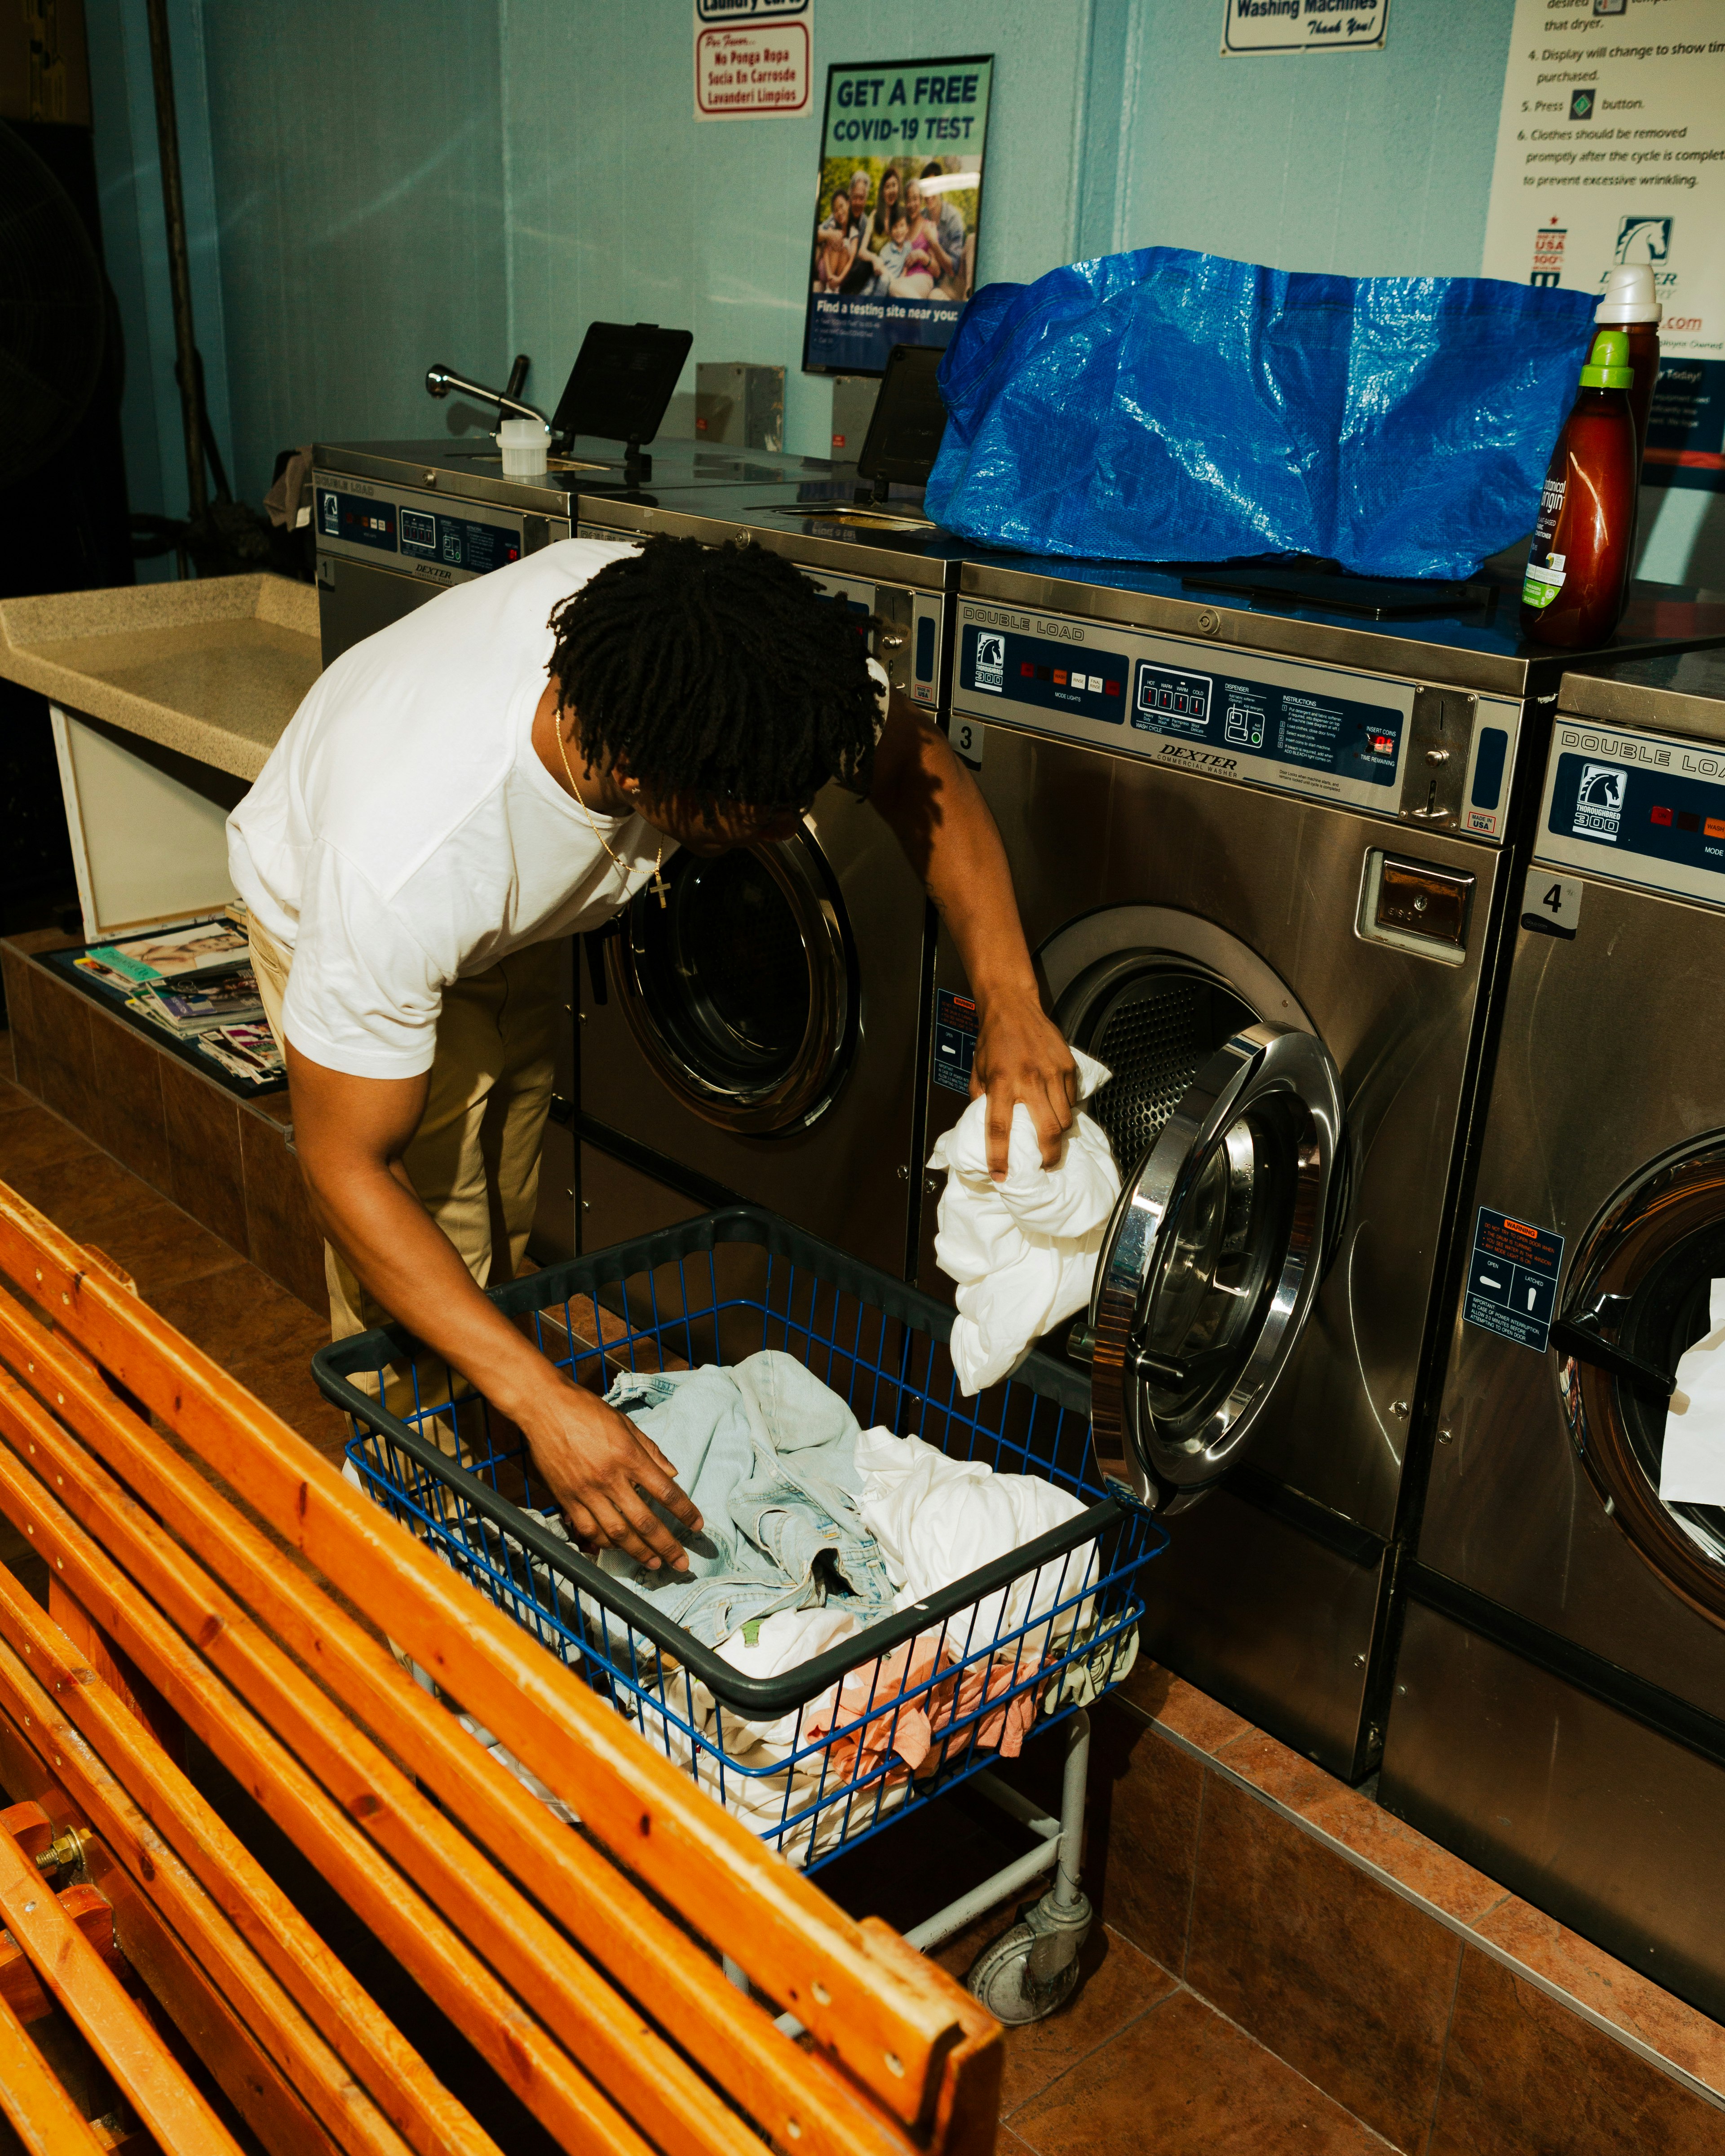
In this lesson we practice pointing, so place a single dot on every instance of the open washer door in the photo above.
(1210, 1265)
(1225, 1112)
(1642, 1292)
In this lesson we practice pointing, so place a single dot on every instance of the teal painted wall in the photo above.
(1373, 164)
(388, 183)
(359, 154)
(625, 207)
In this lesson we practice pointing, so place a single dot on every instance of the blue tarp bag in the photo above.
(1164, 406)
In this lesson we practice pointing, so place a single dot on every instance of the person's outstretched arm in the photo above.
(941, 820)
(350, 1134)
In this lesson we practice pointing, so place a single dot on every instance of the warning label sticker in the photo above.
(1513, 1279)
(955, 1031)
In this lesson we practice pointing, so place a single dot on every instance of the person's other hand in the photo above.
(601, 1470)
(1020, 1056)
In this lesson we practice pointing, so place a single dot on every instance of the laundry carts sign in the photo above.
(753, 58)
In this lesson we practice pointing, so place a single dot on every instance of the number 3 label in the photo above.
(1551, 905)
(967, 738)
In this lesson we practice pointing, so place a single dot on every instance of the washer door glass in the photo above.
(1642, 1295)
(1211, 1262)
(741, 989)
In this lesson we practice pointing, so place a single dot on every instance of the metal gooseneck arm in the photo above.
(439, 382)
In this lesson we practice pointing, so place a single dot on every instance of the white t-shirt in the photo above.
(404, 832)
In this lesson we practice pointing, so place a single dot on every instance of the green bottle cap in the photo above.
(1607, 364)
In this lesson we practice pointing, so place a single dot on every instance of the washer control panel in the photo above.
(435, 538)
(1439, 758)
(1639, 808)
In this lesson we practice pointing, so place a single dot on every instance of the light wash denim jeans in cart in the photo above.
(768, 1455)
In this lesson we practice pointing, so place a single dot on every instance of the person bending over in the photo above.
(505, 767)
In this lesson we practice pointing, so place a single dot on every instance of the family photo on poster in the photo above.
(895, 240)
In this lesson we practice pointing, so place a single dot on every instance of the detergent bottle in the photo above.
(1579, 562)
(1630, 304)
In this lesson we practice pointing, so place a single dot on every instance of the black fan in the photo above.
(53, 312)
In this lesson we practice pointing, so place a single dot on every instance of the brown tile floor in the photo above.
(1138, 2065)
(235, 1313)
(1136, 2062)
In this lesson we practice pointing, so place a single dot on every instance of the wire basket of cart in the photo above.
(866, 1710)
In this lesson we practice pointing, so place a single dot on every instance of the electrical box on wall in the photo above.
(853, 408)
(739, 404)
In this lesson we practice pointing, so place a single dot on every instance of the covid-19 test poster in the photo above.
(894, 236)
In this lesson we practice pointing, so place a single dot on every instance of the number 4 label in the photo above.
(1551, 905)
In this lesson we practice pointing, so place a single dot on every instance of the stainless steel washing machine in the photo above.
(1558, 1713)
(397, 522)
(1223, 816)
(758, 1036)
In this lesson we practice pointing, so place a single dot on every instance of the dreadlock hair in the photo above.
(716, 673)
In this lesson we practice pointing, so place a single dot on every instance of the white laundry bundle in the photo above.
(937, 1519)
(1692, 1466)
(1024, 1251)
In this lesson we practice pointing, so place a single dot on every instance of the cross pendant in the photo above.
(658, 887)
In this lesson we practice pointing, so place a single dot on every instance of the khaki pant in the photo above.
(474, 1161)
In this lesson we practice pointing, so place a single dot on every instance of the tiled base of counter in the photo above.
(1446, 2014)
(224, 1161)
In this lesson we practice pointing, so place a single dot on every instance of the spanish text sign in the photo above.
(752, 59)
(894, 236)
(1610, 150)
(1513, 1279)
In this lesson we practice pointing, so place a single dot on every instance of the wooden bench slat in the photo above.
(247, 2075)
(520, 2051)
(892, 2028)
(44, 1685)
(33, 2103)
(775, 2080)
(112, 2023)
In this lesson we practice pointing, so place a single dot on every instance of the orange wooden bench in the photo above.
(583, 1966)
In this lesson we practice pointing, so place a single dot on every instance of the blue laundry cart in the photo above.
(814, 1760)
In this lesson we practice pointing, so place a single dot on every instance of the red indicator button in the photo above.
(1662, 816)
(1060, 677)
(1027, 671)
(1113, 688)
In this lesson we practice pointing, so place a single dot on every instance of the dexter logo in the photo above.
(1197, 759)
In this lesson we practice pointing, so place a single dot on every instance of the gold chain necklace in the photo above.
(656, 883)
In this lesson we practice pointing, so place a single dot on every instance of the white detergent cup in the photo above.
(524, 444)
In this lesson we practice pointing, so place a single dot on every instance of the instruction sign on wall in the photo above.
(1611, 149)
(753, 58)
(1303, 26)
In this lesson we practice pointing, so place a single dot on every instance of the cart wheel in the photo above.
(1033, 1968)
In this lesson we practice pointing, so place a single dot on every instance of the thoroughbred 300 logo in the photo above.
(1598, 801)
(990, 661)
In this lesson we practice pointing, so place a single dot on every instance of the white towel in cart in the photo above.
(1024, 1251)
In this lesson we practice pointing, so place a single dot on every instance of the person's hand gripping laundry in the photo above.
(602, 1470)
(1020, 1056)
